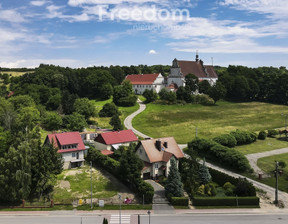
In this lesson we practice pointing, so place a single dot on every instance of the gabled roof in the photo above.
(197, 68)
(167, 150)
(142, 79)
(116, 137)
(66, 138)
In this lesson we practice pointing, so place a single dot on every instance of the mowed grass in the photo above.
(181, 121)
(267, 164)
(262, 146)
(80, 185)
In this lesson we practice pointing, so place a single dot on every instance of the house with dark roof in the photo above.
(70, 145)
(141, 82)
(157, 154)
(181, 68)
(109, 141)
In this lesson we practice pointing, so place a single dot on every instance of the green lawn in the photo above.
(80, 185)
(180, 121)
(14, 74)
(267, 164)
(262, 146)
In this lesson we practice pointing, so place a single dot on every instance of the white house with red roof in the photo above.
(157, 154)
(110, 141)
(141, 82)
(70, 145)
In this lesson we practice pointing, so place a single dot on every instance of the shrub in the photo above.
(109, 110)
(262, 135)
(146, 190)
(225, 201)
(272, 133)
(204, 99)
(221, 178)
(179, 201)
(226, 140)
(229, 189)
(244, 137)
(244, 188)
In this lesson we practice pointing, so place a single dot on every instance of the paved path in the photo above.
(128, 120)
(254, 157)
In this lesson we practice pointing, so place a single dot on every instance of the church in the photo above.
(176, 77)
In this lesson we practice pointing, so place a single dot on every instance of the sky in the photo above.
(83, 33)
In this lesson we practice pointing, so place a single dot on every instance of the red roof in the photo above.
(66, 139)
(116, 137)
(197, 69)
(142, 79)
(106, 152)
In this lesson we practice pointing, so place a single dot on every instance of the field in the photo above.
(75, 184)
(181, 121)
(262, 146)
(13, 73)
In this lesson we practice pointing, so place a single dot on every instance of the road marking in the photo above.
(125, 219)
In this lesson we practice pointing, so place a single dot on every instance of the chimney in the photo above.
(165, 145)
(158, 144)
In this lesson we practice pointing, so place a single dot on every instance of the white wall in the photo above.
(67, 156)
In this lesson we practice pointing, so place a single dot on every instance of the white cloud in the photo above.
(38, 3)
(276, 8)
(152, 52)
(11, 15)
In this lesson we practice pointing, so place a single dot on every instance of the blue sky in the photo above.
(81, 33)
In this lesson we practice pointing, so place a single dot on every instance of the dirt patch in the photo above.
(64, 184)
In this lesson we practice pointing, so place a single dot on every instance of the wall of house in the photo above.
(101, 146)
(142, 154)
(68, 157)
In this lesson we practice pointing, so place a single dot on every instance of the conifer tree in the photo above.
(174, 185)
(204, 174)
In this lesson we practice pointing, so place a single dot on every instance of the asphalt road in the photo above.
(159, 219)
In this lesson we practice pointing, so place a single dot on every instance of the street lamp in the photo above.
(149, 215)
(91, 182)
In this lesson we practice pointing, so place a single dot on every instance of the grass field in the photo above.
(180, 121)
(14, 74)
(262, 146)
(267, 164)
(75, 184)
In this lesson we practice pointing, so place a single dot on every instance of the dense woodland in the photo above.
(52, 98)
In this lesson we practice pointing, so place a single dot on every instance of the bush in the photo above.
(262, 135)
(225, 201)
(220, 154)
(222, 178)
(203, 99)
(244, 188)
(229, 189)
(226, 140)
(145, 189)
(272, 133)
(109, 110)
(244, 137)
(180, 201)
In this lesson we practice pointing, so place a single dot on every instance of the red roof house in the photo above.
(112, 140)
(140, 82)
(70, 145)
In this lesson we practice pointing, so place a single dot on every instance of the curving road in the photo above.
(283, 196)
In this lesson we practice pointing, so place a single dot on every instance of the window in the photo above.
(156, 165)
(73, 154)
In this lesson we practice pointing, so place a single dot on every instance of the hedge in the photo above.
(220, 154)
(244, 137)
(226, 140)
(225, 201)
(222, 178)
(180, 201)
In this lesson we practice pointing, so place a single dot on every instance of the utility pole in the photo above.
(276, 187)
(149, 215)
(120, 199)
(91, 183)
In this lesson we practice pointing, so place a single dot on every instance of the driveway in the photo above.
(160, 202)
